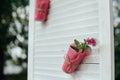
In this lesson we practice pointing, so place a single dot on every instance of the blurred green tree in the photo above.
(117, 52)
(116, 12)
(14, 32)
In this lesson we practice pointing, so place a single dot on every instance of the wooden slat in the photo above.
(78, 23)
(59, 9)
(90, 12)
(60, 59)
(61, 22)
(68, 32)
(57, 69)
(63, 46)
(47, 77)
(39, 52)
(73, 36)
(85, 76)
(64, 39)
(63, 28)
(81, 76)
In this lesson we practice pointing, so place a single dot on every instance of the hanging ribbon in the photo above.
(71, 63)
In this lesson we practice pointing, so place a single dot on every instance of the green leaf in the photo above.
(76, 42)
(75, 48)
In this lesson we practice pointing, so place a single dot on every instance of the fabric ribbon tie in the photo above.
(41, 9)
(71, 64)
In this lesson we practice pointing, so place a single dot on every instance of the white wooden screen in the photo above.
(69, 20)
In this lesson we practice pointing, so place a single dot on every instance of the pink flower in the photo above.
(91, 41)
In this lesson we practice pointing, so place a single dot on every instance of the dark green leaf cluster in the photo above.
(80, 46)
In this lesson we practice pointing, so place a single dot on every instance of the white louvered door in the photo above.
(69, 20)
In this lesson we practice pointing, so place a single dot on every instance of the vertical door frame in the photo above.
(31, 40)
(106, 40)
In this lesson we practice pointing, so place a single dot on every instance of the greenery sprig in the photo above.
(83, 45)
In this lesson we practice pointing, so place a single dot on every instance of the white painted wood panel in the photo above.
(69, 20)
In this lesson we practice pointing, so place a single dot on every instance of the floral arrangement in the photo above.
(76, 53)
(41, 11)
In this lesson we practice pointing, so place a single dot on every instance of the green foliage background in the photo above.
(117, 52)
(9, 36)
(7, 7)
